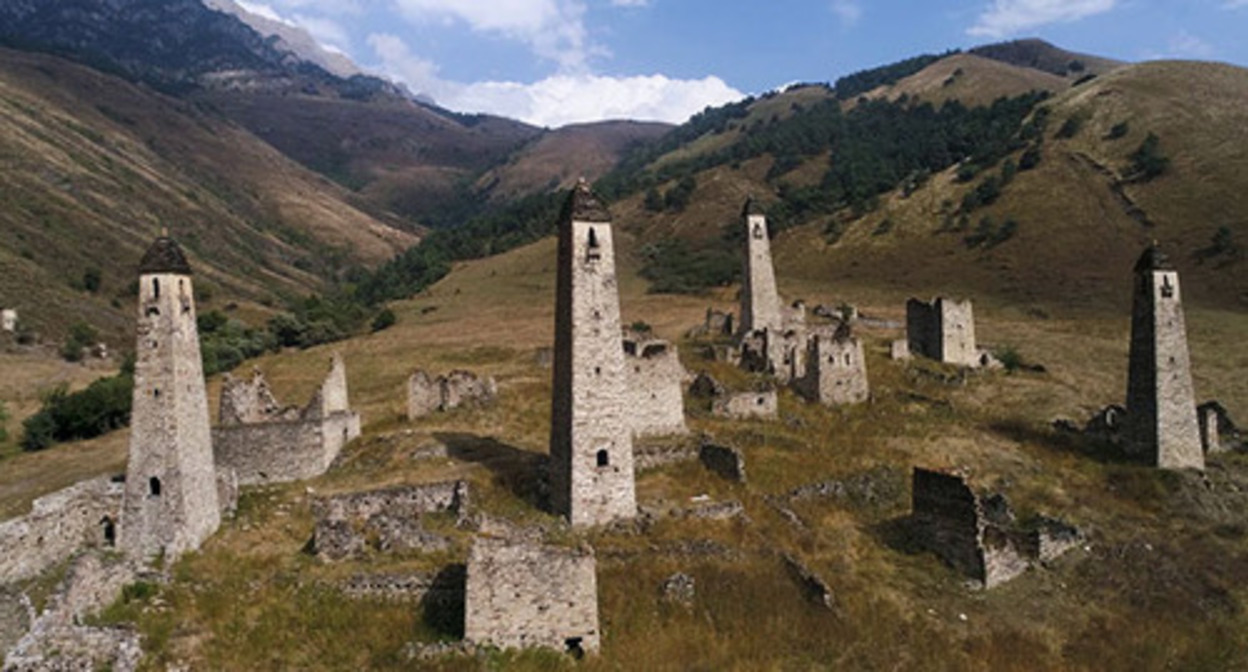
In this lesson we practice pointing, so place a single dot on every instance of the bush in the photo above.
(4, 423)
(1070, 128)
(384, 320)
(101, 408)
(1009, 358)
(91, 280)
(1030, 158)
(81, 335)
(1118, 130)
(1147, 160)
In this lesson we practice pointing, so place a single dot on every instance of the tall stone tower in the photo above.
(591, 447)
(760, 302)
(1161, 406)
(170, 502)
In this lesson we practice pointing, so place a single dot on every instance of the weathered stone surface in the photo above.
(387, 520)
(1218, 433)
(972, 534)
(1161, 427)
(726, 461)
(8, 320)
(1050, 538)
(650, 456)
(520, 595)
(836, 371)
(57, 641)
(899, 350)
(170, 502)
(1108, 424)
(591, 447)
(679, 588)
(943, 330)
(814, 588)
(741, 405)
(655, 377)
(715, 510)
(82, 515)
(426, 395)
(264, 442)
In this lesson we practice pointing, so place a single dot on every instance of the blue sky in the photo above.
(553, 62)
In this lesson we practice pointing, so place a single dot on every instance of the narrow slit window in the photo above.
(153, 486)
(593, 253)
(156, 288)
(604, 459)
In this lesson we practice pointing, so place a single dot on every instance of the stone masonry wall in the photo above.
(655, 377)
(521, 594)
(971, 533)
(426, 394)
(170, 502)
(836, 371)
(742, 405)
(264, 442)
(1162, 426)
(388, 518)
(943, 330)
(59, 524)
(591, 448)
(760, 301)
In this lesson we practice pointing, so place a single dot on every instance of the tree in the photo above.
(91, 279)
(384, 320)
(1147, 160)
(654, 201)
(81, 335)
(1118, 130)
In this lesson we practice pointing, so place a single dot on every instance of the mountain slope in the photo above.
(96, 166)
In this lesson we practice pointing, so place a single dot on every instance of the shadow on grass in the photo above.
(900, 534)
(1071, 442)
(520, 471)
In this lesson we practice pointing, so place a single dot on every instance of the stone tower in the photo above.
(591, 448)
(836, 370)
(170, 501)
(943, 330)
(1161, 406)
(760, 303)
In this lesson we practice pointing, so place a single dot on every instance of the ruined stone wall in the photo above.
(1218, 432)
(170, 502)
(1161, 423)
(521, 594)
(388, 519)
(82, 515)
(426, 394)
(655, 378)
(264, 442)
(8, 320)
(943, 330)
(836, 372)
(591, 449)
(971, 533)
(741, 405)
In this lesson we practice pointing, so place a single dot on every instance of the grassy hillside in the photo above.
(96, 167)
(1158, 585)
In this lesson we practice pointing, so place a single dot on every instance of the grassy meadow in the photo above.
(1158, 585)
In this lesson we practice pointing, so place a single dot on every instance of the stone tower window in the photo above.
(593, 253)
(1167, 289)
(153, 486)
(758, 231)
(604, 459)
(109, 529)
(156, 288)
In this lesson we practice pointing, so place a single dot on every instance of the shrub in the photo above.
(384, 320)
(4, 423)
(1030, 158)
(1147, 160)
(101, 408)
(1070, 128)
(91, 280)
(1118, 130)
(1009, 358)
(81, 335)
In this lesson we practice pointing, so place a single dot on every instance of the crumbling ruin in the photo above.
(83, 515)
(388, 519)
(426, 395)
(1161, 426)
(743, 405)
(8, 320)
(1218, 434)
(655, 377)
(943, 330)
(170, 503)
(977, 534)
(836, 370)
(591, 443)
(265, 442)
(523, 594)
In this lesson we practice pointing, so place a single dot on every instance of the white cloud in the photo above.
(1234, 4)
(849, 11)
(1185, 45)
(630, 3)
(263, 11)
(560, 99)
(326, 31)
(553, 29)
(1007, 17)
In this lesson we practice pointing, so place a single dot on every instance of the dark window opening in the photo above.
(153, 486)
(761, 400)
(156, 288)
(151, 310)
(156, 392)
(593, 253)
(758, 231)
(1167, 290)
(110, 531)
(597, 370)
(573, 647)
(604, 459)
